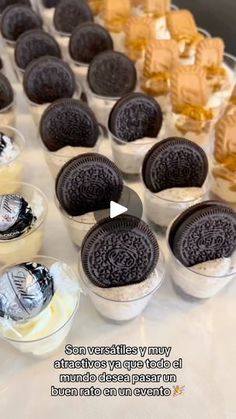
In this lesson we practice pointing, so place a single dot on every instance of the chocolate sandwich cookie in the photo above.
(47, 79)
(1, 64)
(5, 3)
(34, 44)
(88, 40)
(71, 13)
(6, 92)
(88, 183)
(112, 74)
(204, 232)
(16, 217)
(135, 116)
(174, 163)
(25, 290)
(118, 252)
(68, 122)
(17, 19)
(50, 3)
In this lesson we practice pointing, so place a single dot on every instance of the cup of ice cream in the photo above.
(38, 303)
(134, 124)
(22, 216)
(175, 176)
(121, 267)
(85, 186)
(202, 249)
(68, 128)
(12, 144)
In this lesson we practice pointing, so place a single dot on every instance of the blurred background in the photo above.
(218, 17)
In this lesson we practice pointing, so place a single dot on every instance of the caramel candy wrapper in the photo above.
(225, 140)
(116, 14)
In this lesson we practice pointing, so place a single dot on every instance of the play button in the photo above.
(116, 209)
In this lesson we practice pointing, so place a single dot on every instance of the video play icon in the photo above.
(116, 209)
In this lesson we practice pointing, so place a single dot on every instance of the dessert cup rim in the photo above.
(79, 63)
(7, 339)
(204, 32)
(22, 145)
(45, 212)
(71, 217)
(134, 142)
(188, 269)
(90, 287)
(13, 103)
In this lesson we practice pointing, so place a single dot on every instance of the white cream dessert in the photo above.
(79, 226)
(162, 207)
(21, 229)
(42, 332)
(11, 167)
(121, 279)
(101, 106)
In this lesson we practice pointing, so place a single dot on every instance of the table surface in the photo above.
(202, 333)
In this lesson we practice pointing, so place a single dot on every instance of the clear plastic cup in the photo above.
(11, 170)
(128, 156)
(29, 244)
(224, 181)
(63, 40)
(80, 71)
(46, 332)
(8, 115)
(47, 14)
(161, 211)
(193, 284)
(38, 109)
(56, 159)
(120, 304)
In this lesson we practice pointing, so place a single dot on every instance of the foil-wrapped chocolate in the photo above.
(4, 140)
(25, 290)
(16, 216)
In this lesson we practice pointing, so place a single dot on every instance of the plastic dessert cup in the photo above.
(8, 115)
(80, 71)
(12, 169)
(162, 211)
(193, 284)
(26, 246)
(38, 109)
(128, 156)
(55, 160)
(47, 15)
(49, 328)
(63, 40)
(120, 304)
(224, 181)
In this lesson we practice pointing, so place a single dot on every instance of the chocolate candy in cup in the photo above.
(204, 232)
(16, 217)
(71, 13)
(119, 251)
(18, 19)
(68, 122)
(6, 92)
(34, 44)
(174, 163)
(5, 3)
(25, 290)
(112, 74)
(47, 79)
(135, 116)
(88, 40)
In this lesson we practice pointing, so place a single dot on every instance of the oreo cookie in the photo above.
(174, 163)
(88, 40)
(16, 217)
(1, 64)
(25, 290)
(18, 19)
(88, 183)
(112, 74)
(34, 44)
(68, 122)
(119, 252)
(49, 4)
(47, 79)
(6, 92)
(204, 232)
(71, 13)
(135, 116)
(5, 3)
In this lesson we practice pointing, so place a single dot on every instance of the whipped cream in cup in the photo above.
(37, 110)
(56, 159)
(11, 162)
(163, 207)
(120, 304)
(128, 156)
(29, 243)
(42, 335)
(63, 40)
(203, 280)
(80, 71)
(47, 15)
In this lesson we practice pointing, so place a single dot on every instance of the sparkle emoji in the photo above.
(178, 390)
